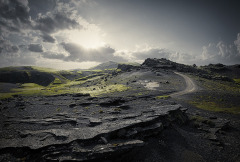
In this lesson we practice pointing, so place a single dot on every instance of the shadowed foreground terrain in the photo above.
(157, 111)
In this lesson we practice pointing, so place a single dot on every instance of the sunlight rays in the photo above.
(86, 38)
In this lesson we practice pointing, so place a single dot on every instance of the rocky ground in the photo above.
(152, 120)
(84, 127)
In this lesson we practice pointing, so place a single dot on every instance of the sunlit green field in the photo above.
(61, 85)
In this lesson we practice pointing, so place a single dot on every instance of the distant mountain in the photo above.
(111, 65)
(106, 65)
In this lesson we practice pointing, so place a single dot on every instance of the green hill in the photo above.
(31, 74)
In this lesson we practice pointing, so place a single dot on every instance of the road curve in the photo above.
(190, 86)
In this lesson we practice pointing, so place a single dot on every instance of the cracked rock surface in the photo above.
(63, 128)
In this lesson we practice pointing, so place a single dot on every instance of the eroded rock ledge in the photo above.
(49, 129)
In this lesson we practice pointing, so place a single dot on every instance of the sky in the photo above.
(70, 34)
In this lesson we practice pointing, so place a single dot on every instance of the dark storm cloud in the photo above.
(15, 10)
(12, 55)
(35, 48)
(53, 23)
(8, 26)
(76, 52)
(79, 54)
(48, 38)
(52, 55)
(6, 47)
(237, 43)
(183, 26)
(17, 59)
(41, 6)
(14, 14)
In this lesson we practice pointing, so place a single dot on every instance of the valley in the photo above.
(159, 110)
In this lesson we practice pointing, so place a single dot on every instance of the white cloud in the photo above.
(20, 58)
(237, 43)
(60, 31)
(222, 52)
(7, 48)
(63, 65)
(209, 52)
(140, 54)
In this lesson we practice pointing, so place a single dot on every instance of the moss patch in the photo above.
(163, 97)
(237, 80)
(25, 89)
(218, 86)
(217, 107)
(217, 96)
(57, 81)
(197, 120)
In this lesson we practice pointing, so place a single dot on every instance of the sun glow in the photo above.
(86, 38)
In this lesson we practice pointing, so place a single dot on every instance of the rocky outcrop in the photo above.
(201, 72)
(167, 64)
(126, 67)
(159, 63)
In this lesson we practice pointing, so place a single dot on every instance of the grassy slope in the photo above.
(218, 96)
(61, 85)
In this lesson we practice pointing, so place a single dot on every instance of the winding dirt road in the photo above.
(190, 86)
